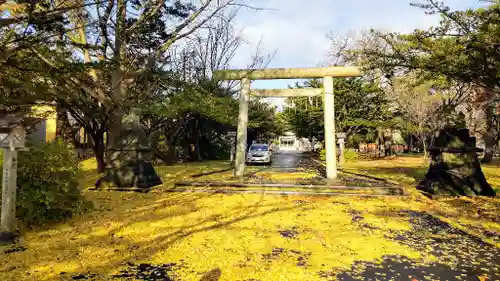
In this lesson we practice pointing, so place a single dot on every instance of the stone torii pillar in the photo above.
(241, 139)
(330, 143)
(327, 73)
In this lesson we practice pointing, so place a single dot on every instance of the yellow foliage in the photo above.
(238, 234)
(230, 232)
(472, 215)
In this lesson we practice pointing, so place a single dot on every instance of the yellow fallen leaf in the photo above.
(482, 278)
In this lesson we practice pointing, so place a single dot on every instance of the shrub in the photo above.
(48, 184)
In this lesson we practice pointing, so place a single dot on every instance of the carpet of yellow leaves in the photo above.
(240, 235)
(411, 169)
(473, 215)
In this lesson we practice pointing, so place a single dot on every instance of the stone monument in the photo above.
(12, 140)
(455, 169)
(129, 167)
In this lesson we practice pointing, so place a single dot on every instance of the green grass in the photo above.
(235, 234)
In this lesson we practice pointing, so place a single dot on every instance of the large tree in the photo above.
(462, 47)
(192, 116)
(103, 52)
(425, 107)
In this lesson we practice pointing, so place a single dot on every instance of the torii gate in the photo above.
(327, 73)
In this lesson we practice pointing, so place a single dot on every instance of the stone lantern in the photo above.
(341, 141)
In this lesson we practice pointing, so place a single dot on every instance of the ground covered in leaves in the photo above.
(210, 236)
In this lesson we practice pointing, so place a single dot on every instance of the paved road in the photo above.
(290, 160)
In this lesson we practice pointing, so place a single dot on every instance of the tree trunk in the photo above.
(426, 153)
(59, 122)
(387, 142)
(410, 144)
(115, 127)
(167, 151)
(489, 135)
(197, 142)
(99, 156)
(63, 128)
(489, 145)
(187, 151)
(380, 143)
(118, 85)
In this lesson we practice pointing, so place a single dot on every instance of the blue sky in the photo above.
(298, 29)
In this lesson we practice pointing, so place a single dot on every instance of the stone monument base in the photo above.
(7, 238)
(130, 173)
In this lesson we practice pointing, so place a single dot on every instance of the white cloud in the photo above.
(297, 29)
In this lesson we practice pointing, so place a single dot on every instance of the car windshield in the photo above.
(259, 148)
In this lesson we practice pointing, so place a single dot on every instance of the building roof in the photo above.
(9, 121)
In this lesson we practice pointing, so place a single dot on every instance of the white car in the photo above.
(259, 153)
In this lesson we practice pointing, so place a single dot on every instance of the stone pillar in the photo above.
(242, 128)
(330, 143)
(8, 219)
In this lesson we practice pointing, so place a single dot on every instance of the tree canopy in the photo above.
(463, 46)
(360, 106)
(462, 49)
(98, 60)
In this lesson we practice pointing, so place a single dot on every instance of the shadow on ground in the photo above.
(459, 256)
(163, 272)
(409, 175)
(113, 250)
(351, 178)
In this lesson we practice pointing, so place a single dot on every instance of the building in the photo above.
(288, 140)
(44, 130)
